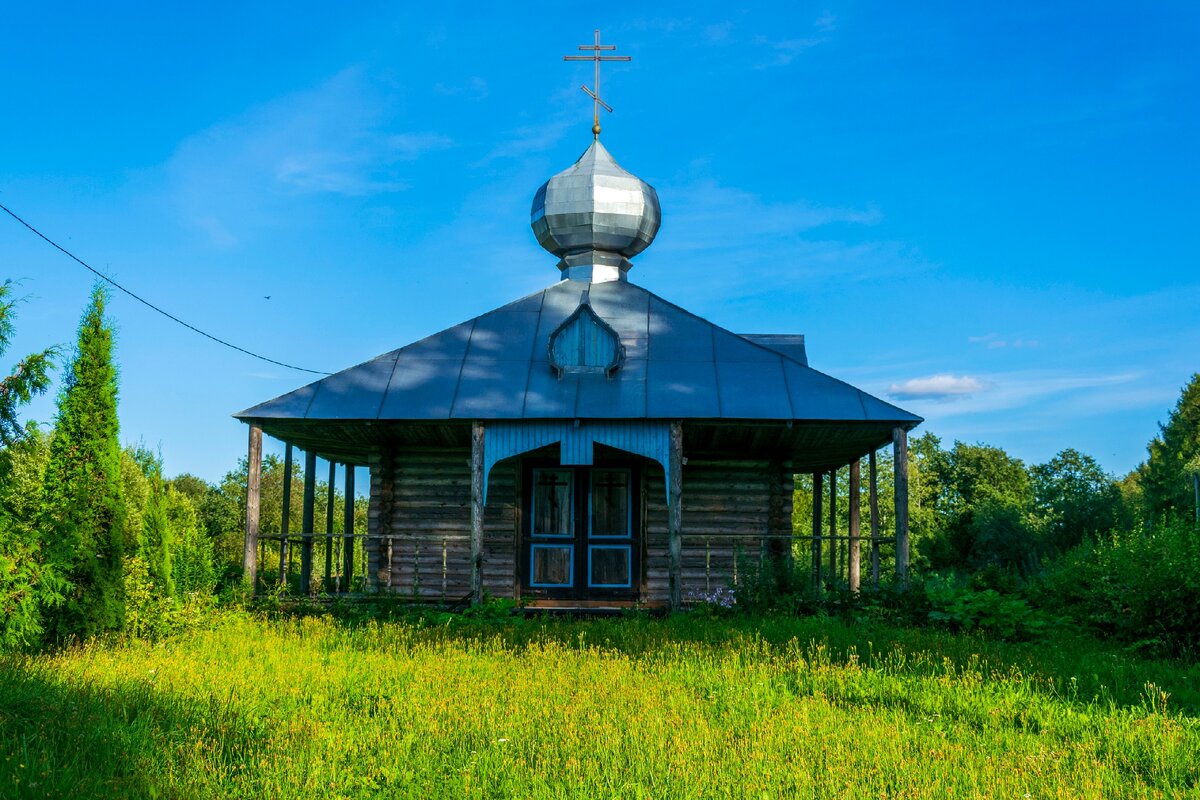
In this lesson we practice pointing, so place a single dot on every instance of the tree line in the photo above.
(1117, 554)
(94, 538)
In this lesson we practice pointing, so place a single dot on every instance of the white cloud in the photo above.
(1022, 389)
(340, 137)
(937, 387)
(530, 139)
(992, 341)
(713, 215)
(474, 87)
(780, 53)
(718, 33)
(745, 245)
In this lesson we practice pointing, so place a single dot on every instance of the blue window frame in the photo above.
(610, 503)
(612, 563)
(552, 566)
(581, 532)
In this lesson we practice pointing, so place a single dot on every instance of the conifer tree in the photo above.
(83, 513)
(30, 377)
(1167, 485)
(27, 583)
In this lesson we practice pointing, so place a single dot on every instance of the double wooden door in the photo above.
(581, 537)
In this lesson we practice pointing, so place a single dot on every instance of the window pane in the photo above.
(610, 502)
(551, 565)
(552, 502)
(609, 566)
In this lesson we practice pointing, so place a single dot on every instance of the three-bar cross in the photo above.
(596, 58)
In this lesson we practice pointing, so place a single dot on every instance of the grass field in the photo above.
(619, 708)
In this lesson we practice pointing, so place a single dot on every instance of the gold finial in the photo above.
(596, 58)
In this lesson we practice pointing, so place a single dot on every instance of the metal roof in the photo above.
(496, 367)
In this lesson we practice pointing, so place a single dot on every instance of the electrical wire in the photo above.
(147, 303)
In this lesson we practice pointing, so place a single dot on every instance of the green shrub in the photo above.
(1141, 587)
(1003, 616)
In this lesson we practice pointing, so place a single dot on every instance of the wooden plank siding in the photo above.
(421, 535)
(730, 511)
(419, 521)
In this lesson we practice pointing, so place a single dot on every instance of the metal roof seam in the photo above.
(388, 386)
(787, 387)
(316, 391)
(712, 335)
(646, 394)
(695, 316)
(462, 364)
(532, 356)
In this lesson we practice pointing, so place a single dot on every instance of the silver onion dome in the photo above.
(595, 216)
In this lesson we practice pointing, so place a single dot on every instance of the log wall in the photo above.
(419, 523)
(730, 511)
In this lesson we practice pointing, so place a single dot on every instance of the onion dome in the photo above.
(595, 216)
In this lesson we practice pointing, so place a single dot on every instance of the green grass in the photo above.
(629, 708)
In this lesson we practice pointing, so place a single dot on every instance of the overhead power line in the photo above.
(147, 303)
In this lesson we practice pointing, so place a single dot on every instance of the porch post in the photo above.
(779, 517)
(329, 496)
(253, 495)
(675, 519)
(900, 455)
(873, 493)
(285, 521)
(855, 553)
(818, 523)
(476, 512)
(834, 572)
(348, 531)
(310, 501)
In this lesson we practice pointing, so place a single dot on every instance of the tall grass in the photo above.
(634, 708)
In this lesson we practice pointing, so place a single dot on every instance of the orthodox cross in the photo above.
(596, 58)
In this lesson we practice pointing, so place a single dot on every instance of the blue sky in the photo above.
(986, 213)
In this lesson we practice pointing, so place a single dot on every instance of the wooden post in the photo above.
(348, 531)
(855, 551)
(675, 519)
(873, 497)
(476, 512)
(818, 523)
(779, 519)
(329, 498)
(1196, 491)
(833, 542)
(310, 502)
(285, 521)
(900, 455)
(253, 496)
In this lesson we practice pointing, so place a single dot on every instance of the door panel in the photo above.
(609, 566)
(581, 537)
(553, 565)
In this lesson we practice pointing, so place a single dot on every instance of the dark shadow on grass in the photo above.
(105, 741)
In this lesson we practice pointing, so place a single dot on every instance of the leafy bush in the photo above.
(988, 611)
(1142, 587)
